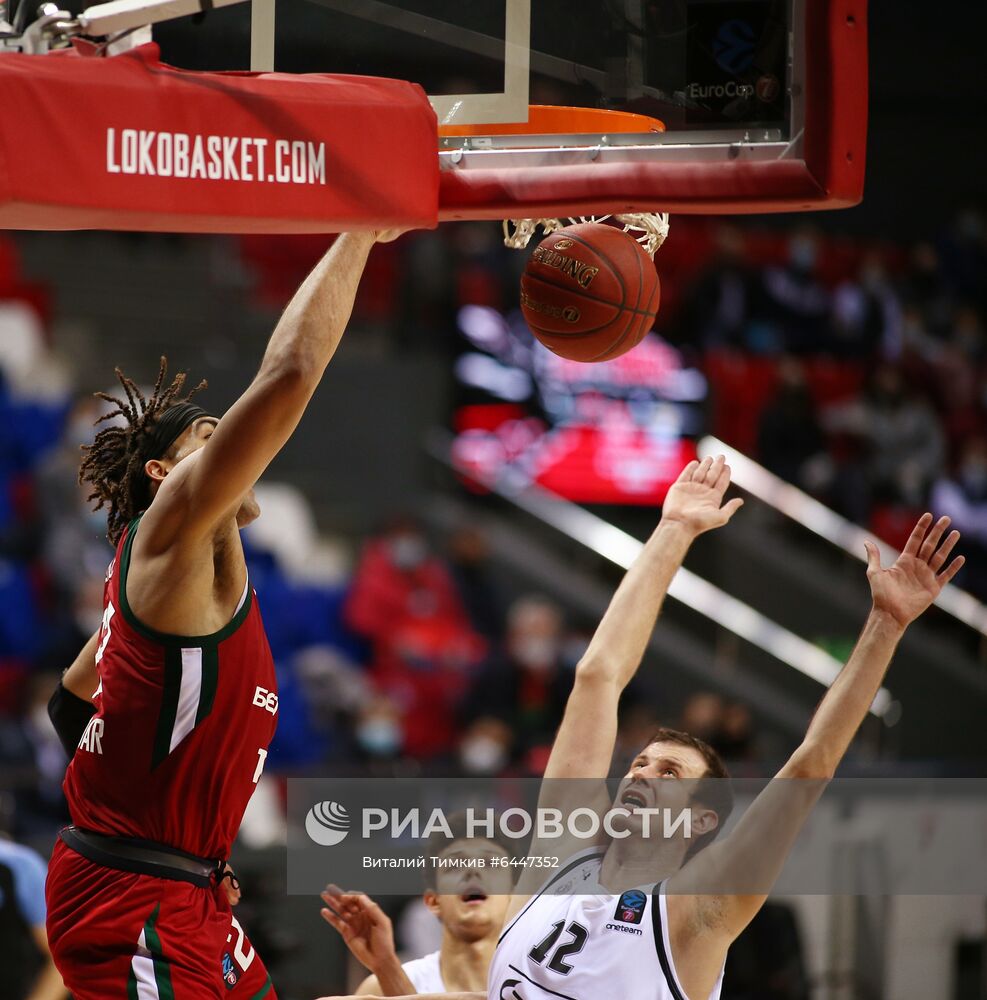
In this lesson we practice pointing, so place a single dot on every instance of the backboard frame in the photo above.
(821, 167)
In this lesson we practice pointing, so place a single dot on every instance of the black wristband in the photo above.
(70, 715)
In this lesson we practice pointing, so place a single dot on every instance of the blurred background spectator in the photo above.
(28, 971)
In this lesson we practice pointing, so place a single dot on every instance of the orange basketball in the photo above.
(590, 292)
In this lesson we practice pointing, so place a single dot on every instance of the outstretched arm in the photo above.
(585, 741)
(756, 850)
(210, 484)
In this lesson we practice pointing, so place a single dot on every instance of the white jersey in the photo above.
(576, 941)
(425, 974)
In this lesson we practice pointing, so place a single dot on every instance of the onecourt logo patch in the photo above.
(327, 823)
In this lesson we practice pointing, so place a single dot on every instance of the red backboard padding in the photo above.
(129, 143)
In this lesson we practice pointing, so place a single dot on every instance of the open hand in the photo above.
(694, 499)
(915, 580)
(364, 926)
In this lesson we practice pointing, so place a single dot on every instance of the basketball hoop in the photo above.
(648, 228)
(545, 125)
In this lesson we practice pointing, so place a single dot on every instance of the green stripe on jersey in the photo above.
(210, 679)
(264, 990)
(162, 974)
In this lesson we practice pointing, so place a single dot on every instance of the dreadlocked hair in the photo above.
(114, 463)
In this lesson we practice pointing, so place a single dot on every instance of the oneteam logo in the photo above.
(327, 823)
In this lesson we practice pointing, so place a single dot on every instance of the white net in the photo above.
(648, 228)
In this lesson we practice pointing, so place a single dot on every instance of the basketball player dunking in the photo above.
(180, 673)
(640, 916)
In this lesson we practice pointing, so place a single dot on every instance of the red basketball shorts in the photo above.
(120, 936)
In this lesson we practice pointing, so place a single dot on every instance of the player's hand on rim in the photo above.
(388, 235)
(915, 580)
(695, 500)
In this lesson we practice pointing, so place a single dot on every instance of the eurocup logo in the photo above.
(733, 47)
(327, 823)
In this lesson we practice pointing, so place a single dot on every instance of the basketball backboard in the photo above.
(746, 105)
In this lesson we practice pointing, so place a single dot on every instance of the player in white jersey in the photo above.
(468, 903)
(576, 938)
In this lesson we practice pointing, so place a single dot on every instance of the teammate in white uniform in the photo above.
(468, 903)
(576, 938)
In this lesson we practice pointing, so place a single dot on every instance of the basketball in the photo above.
(590, 292)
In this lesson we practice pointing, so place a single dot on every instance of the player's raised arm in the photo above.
(756, 849)
(585, 741)
(208, 486)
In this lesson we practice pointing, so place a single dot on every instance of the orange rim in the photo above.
(549, 119)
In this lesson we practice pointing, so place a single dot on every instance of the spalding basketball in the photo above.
(590, 292)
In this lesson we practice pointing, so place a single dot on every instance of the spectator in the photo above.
(927, 289)
(527, 685)
(866, 318)
(796, 303)
(378, 731)
(426, 665)
(485, 747)
(967, 335)
(34, 760)
(727, 726)
(963, 496)
(469, 561)
(702, 716)
(902, 444)
(404, 601)
(722, 300)
(790, 436)
(736, 739)
(28, 970)
(399, 578)
(964, 255)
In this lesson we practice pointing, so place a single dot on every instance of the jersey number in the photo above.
(575, 944)
(104, 629)
(244, 958)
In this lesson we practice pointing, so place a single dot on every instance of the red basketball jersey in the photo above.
(181, 729)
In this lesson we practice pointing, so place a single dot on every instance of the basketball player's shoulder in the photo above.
(426, 973)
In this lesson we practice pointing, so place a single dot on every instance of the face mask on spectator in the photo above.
(408, 551)
(482, 755)
(379, 737)
(537, 653)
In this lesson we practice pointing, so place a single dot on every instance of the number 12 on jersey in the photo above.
(577, 941)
